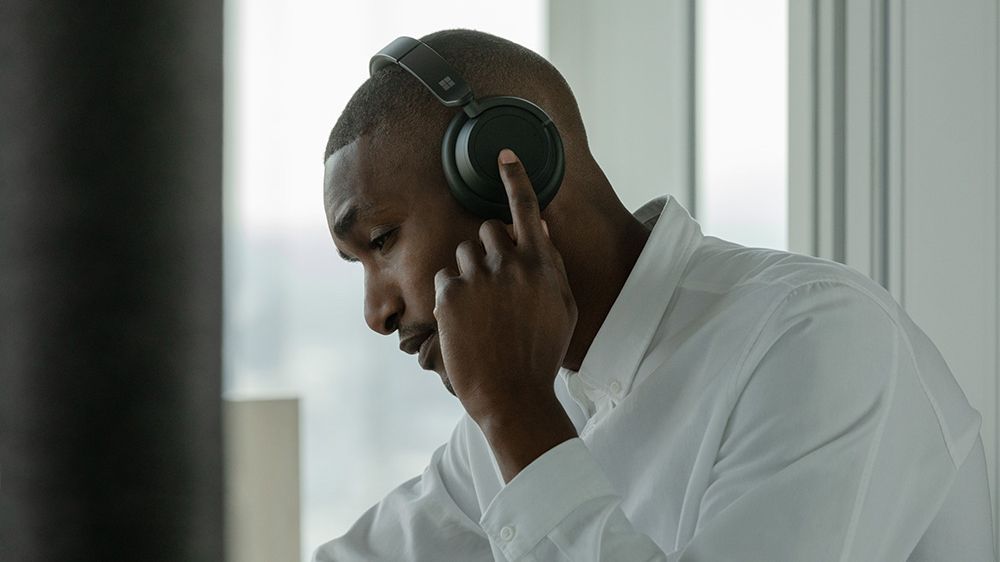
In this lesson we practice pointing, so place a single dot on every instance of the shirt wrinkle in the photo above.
(682, 455)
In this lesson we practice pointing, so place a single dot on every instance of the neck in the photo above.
(599, 245)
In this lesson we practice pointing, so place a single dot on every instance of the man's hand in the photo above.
(505, 319)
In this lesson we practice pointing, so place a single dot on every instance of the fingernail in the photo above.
(507, 156)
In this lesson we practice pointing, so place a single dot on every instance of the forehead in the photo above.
(347, 178)
(362, 175)
(353, 187)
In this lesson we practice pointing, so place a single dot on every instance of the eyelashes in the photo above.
(379, 242)
(376, 244)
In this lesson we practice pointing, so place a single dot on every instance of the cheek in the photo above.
(425, 253)
(419, 265)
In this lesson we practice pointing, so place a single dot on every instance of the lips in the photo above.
(426, 349)
(412, 344)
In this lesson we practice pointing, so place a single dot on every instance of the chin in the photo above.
(447, 384)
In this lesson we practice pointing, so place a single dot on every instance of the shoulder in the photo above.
(775, 279)
(747, 267)
(757, 294)
(798, 316)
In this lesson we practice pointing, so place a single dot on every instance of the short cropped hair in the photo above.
(395, 109)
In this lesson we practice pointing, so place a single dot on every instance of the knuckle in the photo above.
(507, 271)
(525, 202)
(490, 227)
(442, 278)
(517, 271)
(495, 262)
(445, 291)
(468, 253)
(530, 261)
(466, 247)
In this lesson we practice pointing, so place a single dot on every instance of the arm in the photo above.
(834, 451)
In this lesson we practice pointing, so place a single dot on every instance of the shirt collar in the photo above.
(613, 358)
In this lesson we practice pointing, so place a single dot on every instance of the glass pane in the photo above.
(293, 317)
(743, 121)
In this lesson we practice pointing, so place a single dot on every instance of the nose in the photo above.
(383, 306)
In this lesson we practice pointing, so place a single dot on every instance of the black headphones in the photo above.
(477, 134)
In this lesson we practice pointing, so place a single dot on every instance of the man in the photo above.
(634, 390)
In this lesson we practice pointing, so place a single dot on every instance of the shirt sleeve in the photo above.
(431, 517)
(562, 507)
(833, 451)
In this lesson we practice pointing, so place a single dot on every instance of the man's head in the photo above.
(386, 197)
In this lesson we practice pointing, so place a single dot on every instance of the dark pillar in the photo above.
(110, 280)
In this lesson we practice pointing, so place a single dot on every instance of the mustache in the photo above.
(414, 329)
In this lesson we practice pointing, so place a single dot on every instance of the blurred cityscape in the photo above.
(370, 416)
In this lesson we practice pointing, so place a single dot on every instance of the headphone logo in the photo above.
(446, 83)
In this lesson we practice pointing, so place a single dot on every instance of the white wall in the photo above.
(945, 196)
(631, 68)
(893, 167)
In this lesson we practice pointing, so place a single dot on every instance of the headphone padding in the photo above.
(480, 190)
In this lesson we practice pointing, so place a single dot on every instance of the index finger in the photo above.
(521, 196)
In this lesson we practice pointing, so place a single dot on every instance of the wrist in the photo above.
(520, 434)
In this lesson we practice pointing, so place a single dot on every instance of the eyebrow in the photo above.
(346, 222)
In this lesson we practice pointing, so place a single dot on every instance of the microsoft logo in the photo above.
(446, 83)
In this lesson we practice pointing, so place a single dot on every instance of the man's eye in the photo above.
(379, 242)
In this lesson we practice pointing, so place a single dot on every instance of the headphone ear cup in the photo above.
(470, 148)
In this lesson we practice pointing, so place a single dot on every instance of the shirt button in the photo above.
(616, 388)
(507, 533)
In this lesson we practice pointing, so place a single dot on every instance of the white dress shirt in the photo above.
(737, 404)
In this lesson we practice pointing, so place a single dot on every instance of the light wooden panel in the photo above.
(262, 480)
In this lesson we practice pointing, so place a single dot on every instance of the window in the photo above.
(370, 418)
(743, 121)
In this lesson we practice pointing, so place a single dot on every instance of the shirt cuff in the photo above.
(544, 493)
